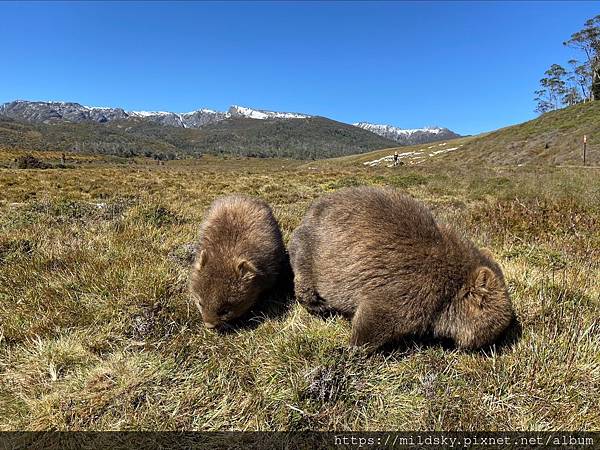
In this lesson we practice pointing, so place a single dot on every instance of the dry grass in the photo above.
(96, 332)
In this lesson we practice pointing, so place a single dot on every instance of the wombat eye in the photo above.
(224, 311)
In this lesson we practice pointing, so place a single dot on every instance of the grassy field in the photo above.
(97, 333)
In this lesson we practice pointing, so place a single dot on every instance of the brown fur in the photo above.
(377, 256)
(239, 256)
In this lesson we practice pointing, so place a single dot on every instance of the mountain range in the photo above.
(239, 130)
(409, 136)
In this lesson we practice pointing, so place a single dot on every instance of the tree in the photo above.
(588, 41)
(581, 78)
(555, 83)
(543, 104)
(571, 97)
(553, 89)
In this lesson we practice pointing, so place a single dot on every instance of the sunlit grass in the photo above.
(96, 330)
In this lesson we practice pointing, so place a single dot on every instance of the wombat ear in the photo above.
(201, 260)
(485, 282)
(485, 279)
(246, 269)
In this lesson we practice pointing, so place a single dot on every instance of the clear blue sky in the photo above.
(470, 66)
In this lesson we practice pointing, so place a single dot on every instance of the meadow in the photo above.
(97, 331)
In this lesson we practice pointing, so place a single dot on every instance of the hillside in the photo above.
(554, 138)
(303, 138)
(421, 154)
(309, 138)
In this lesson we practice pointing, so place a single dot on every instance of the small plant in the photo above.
(17, 248)
(406, 181)
(159, 216)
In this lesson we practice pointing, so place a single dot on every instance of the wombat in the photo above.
(378, 257)
(238, 258)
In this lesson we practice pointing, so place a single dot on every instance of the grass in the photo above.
(555, 138)
(97, 333)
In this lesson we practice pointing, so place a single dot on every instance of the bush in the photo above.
(31, 162)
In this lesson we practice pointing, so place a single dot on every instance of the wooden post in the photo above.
(584, 147)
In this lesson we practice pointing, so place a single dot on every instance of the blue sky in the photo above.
(470, 66)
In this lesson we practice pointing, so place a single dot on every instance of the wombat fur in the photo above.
(378, 257)
(239, 256)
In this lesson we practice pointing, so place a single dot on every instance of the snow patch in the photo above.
(260, 114)
(151, 113)
(445, 150)
(379, 128)
(414, 157)
(390, 158)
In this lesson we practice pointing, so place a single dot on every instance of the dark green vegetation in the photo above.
(97, 332)
(310, 138)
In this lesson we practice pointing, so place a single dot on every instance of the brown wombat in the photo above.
(377, 256)
(239, 256)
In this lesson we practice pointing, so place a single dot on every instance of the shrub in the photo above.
(31, 162)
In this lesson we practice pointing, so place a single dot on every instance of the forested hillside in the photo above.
(306, 138)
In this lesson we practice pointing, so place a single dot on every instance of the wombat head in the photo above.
(223, 288)
(481, 311)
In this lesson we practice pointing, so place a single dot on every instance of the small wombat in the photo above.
(377, 256)
(239, 256)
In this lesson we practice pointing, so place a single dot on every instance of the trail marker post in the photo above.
(584, 147)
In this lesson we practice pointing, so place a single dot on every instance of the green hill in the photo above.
(555, 138)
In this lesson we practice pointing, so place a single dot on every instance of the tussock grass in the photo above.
(97, 333)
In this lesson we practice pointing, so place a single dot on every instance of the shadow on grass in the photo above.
(414, 344)
(507, 340)
(410, 345)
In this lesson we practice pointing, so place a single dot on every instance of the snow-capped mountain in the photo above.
(201, 117)
(408, 136)
(241, 111)
(194, 119)
(68, 111)
(240, 130)
(162, 117)
(55, 112)
(47, 112)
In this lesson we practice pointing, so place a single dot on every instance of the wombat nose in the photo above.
(209, 325)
